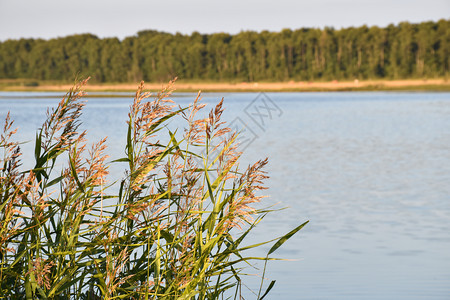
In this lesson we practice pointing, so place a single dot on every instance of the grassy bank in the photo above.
(291, 86)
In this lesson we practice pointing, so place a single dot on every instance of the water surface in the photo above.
(371, 171)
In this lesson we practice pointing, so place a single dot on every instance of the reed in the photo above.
(171, 228)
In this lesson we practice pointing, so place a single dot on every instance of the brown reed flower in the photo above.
(97, 170)
(10, 162)
(144, 163)
(144, 114)
(240, 209)
(41, 270)
(228, 157)
(76, 167)
(190, 189)
(194, 133)
(7, 132)
(36, 199)
(62, 122)
(114, 268)
(144, 118)
(150, 208)
(213, 125)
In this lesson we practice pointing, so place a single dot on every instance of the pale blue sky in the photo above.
(114, 18)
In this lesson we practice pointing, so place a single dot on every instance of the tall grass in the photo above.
(171, 228)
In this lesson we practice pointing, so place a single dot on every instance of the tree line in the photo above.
(394, 52)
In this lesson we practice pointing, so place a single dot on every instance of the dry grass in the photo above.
(411, 84)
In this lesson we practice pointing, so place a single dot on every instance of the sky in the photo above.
(121, 18)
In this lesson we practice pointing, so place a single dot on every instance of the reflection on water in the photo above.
(371, 171)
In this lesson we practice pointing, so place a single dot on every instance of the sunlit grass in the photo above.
(171, 228)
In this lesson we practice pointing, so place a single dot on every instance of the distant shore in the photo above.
(291, 86)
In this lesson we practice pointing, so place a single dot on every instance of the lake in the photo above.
(370, 170)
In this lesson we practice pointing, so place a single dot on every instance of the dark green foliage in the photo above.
(395, 52)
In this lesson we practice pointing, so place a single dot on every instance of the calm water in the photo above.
(371, 171)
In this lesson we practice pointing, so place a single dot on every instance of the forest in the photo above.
(399, 51)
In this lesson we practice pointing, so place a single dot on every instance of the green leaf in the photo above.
(74, 174)
(268, 289)
(37, 146)
(285, 237)
(123, 159)
(54, 181)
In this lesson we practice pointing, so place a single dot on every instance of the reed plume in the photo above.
(170, 228)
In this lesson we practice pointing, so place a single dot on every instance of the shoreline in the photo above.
(291, 86)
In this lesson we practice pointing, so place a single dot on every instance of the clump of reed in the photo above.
(171, 228)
